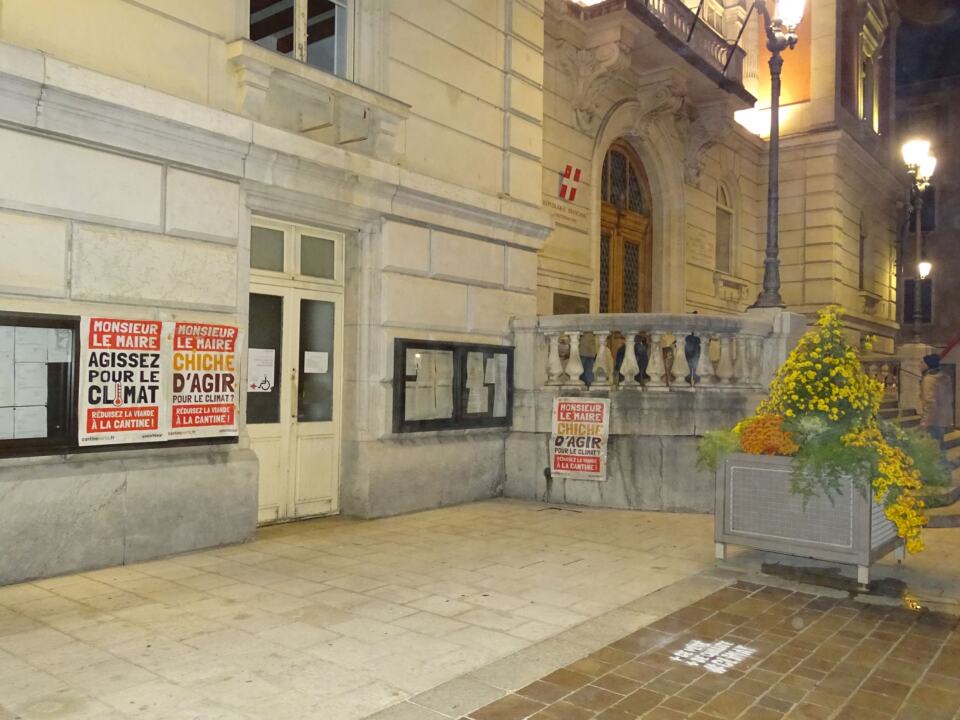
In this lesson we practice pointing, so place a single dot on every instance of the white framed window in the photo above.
(724, 230)
(312, 31)
(285, 251)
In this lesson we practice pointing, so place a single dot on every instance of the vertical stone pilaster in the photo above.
(523, 100)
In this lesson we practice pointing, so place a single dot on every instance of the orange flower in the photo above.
(764, 435)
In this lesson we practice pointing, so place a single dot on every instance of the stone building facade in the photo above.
(333, 177)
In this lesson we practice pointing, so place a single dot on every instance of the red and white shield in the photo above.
(569, 182)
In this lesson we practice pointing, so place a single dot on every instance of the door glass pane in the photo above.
(604, 272)
(266, 336)
(266, 249)
(271, 24)
(618, 179)
(631, 276)
(315, 389)
(317, 257)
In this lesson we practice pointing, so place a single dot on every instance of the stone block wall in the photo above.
(431, 283)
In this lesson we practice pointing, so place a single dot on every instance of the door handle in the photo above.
(293, 394)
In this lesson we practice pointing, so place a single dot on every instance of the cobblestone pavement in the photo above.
(759, 653)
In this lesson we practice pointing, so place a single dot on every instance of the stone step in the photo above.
(941, 497)
(951, 440)
(953, 455)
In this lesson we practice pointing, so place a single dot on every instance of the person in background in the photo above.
(936, 399)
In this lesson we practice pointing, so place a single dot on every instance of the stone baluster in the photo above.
(574, 368)
(681, 368)
(630, 368)
(655, 368)
(740, 364)
(755, 356)
(705, 370)
(554, 365)
(725, 365)
(603, 363)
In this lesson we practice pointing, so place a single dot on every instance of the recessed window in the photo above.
(928, 211)
(312, 31)
(926, 300)
(724, 231)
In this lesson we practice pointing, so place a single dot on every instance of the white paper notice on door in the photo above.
(315, 362)
(260, 369)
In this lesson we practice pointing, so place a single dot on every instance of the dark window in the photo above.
(322, 40)
(38, 378)
(445, 386)
(929, 211)
(926, 300)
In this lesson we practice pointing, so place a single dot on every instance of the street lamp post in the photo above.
(781, 32)
(921, 166)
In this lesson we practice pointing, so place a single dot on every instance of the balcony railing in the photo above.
(657, 352)
(677, 20)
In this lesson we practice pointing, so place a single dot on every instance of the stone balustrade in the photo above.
(656, 352)
(887, 371)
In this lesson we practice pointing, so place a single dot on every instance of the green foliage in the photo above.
(925, 452)
(824, 461)
(714, 446)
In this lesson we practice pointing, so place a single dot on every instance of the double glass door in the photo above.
(293, 399)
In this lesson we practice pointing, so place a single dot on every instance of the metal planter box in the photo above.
(756, 509)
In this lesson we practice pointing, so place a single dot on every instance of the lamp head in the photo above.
(915, 151)
(923, 269)
(927, 168)
(790, 14)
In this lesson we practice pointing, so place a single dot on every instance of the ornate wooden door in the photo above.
(626, 250)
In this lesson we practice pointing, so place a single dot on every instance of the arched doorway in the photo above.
(626, 246)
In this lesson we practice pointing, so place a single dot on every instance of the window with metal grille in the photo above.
(619, 184)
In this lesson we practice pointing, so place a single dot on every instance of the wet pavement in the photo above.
(757, 652)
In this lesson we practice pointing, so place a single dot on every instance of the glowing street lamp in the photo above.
(781, 29)
(921, 166)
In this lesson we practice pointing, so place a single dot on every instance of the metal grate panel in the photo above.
(881, 529)
(604, 272)
(762, 504)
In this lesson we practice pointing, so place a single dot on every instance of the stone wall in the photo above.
(93, 510)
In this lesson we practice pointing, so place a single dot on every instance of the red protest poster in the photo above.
(204, 381)
(121, 379)
(578, 445)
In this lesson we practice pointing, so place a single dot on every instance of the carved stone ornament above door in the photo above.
(590, 73)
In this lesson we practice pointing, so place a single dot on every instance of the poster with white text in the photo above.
(578, 445)
(121, 381)
(204, 381)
